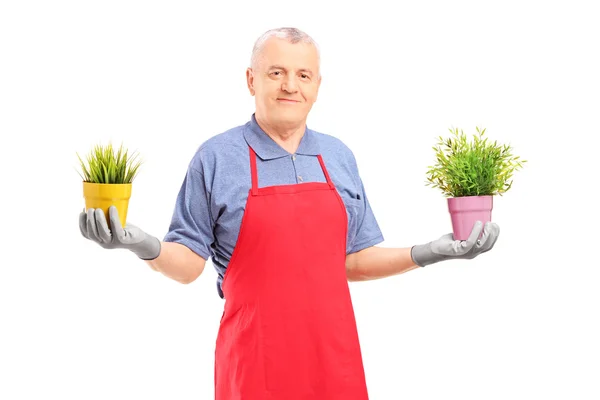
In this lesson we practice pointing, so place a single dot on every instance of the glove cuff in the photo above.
(422, 255)
(148, 249)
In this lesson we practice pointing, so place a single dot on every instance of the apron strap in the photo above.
(253, 171)
(325, 172)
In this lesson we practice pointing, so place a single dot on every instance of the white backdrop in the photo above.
(520, 322)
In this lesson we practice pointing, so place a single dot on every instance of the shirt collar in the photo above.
(267, 149)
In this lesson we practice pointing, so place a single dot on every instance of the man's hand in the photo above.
(446, 248)
(93, 226)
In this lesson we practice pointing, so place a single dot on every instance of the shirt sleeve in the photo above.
(368, 232)
(192, 224)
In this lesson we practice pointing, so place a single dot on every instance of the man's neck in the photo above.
(288, 137)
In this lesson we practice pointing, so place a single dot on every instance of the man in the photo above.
(282, 211)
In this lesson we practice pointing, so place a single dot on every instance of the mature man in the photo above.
(283, 214)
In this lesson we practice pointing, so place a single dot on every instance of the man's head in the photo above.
(284, 76)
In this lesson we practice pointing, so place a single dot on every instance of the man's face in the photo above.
(285, 81)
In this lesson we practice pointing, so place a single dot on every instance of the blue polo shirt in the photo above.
(212, 198)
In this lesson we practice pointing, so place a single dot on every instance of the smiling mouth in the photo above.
(288, 101)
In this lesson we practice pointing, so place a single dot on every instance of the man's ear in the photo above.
(318, 87)
(250, 81)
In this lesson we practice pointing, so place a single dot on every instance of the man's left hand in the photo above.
(446, 248)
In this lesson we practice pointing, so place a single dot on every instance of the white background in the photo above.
(520, 322)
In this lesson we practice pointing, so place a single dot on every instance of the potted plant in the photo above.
(470, 174)
(107, 179)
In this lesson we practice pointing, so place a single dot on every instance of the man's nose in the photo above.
(289, 84)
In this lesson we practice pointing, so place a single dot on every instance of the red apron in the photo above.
(288, 330)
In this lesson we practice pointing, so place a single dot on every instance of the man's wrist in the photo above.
(422, 255)
(148, 249)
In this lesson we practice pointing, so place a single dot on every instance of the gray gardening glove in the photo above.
(446, 248)
(94, 227)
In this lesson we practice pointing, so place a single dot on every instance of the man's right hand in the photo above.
(93, 226)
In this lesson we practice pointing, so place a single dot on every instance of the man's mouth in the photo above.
(288, 101)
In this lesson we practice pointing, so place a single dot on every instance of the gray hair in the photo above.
(293, 35)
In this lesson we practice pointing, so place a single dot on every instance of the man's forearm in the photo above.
(178, 262)
(378, 262)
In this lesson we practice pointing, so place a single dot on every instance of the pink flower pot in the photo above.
(465, 211)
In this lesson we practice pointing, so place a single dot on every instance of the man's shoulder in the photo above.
(223, 145)
(221, 142)
(332, 146)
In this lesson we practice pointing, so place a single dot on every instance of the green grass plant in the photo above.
(105, 164)
(474, 167)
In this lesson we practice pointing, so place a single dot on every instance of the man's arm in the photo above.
(172, 259)
(378, 262)
(178, 262)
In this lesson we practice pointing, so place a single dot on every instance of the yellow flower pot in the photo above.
(104, 195)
